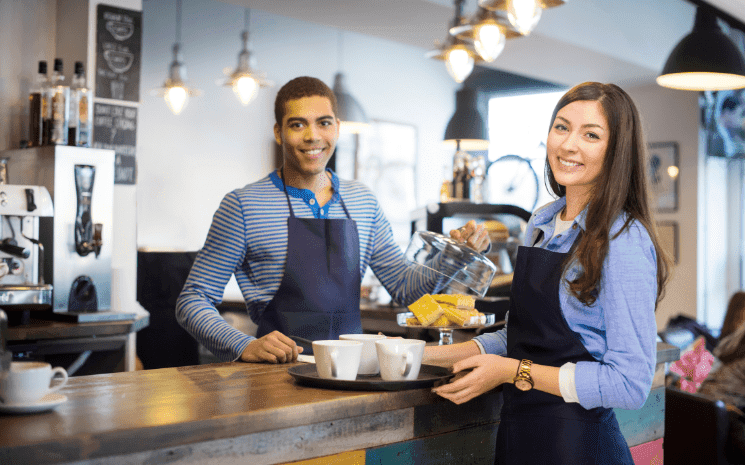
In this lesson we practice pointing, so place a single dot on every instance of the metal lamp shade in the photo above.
(467, 127)
(349, 111)
(705, 59)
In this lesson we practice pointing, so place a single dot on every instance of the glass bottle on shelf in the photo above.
(478, 188)
(80, 109)
(38, 106)
(60, 106)
(461, 176)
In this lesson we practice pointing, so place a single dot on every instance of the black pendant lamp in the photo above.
(705, 59)
(467, 129)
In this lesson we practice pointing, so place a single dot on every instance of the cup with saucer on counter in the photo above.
(27, 387)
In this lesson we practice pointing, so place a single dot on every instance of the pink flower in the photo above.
(694, 366)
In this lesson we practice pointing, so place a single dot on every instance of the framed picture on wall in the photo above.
(668, 235)
(663, 171)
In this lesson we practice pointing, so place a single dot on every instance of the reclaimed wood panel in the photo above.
(650, 453)
(474, 446)
(646, 424)
(346, 458)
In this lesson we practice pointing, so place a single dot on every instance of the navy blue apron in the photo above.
(319, 296)
(537, 427)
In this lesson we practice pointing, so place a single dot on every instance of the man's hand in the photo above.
(275, 347)
(487, 372)
(475, 236)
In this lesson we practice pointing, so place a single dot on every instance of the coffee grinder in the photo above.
(78, 237)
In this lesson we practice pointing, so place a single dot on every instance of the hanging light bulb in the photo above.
(459, 57)
(524, 14)
(244, 81)
(489, 41)
(459, 62)
(488, 31)
(174, 90)
(176, 98)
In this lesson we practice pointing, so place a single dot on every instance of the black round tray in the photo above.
(429, 375)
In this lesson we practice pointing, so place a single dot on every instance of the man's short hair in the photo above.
(298, 88)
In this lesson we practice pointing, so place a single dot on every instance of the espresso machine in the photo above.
(22, 286)
(77, 238)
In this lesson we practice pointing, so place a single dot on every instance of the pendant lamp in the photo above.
(244, 81)
(457, 54)
(705, 59)
(522, 14)
(350, 113)
(467, 129)
(175, 91)
(487, 30)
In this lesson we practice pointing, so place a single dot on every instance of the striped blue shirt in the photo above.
(248, 238)
(619, 329)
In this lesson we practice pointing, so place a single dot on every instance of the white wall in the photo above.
(187, 163)
(672, 116)
(27, 35)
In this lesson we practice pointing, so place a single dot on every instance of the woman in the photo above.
(581, 335)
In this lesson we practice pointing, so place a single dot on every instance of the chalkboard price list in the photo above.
(115, 128)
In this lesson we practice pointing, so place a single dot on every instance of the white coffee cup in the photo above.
(369, 361)
(27, 382)
(400, 359)
(337, 359)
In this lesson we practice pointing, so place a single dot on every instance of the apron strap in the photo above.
(284, 187)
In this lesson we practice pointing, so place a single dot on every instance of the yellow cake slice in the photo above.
(412, 322)
(455, 300)
(456, 315)
(441, 322)
(426, 310)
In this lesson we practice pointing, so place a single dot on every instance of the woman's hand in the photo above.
(488, 371)
(275, 347)
(475, 236)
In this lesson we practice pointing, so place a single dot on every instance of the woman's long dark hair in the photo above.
(620, 187)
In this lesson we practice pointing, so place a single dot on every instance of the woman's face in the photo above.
(576, 146)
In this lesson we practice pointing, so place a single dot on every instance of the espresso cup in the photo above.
(400, 359)
(27, 382)
(369, 360)
(337, 359)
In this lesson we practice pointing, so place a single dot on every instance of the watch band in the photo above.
(523, 375)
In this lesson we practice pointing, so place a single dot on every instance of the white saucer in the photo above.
(47, 402)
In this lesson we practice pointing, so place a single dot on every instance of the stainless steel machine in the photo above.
(77, 238)
(22, 285)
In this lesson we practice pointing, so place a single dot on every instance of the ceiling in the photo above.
(626, 42)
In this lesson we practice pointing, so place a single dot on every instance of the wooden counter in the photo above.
(255, 413)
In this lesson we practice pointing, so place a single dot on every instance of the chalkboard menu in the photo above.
(118, 53)
(115, 128)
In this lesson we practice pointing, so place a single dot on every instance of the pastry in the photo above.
(426, 310)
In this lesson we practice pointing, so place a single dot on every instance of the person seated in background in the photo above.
(727, 381)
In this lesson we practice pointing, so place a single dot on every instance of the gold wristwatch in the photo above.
(522, 380)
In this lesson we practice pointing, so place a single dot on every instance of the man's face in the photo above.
(308, 135)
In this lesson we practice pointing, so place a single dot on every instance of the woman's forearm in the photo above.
(447, 355)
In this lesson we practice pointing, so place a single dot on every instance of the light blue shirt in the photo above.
(619, 329)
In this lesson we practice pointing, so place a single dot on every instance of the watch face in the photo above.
(523, 385)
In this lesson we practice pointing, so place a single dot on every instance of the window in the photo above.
(518, 125)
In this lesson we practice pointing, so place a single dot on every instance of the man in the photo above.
(298, 242)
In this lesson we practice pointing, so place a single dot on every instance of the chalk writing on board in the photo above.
(115, 128)
(118, 53)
